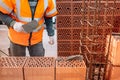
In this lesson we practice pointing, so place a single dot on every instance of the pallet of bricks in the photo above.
(41, 68)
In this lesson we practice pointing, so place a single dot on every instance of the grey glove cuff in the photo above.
(6, 19)
(12, 23)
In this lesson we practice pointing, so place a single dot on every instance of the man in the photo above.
(17, 13)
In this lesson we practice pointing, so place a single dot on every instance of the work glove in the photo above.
(30, 26)
(18, 27)
(51, 40)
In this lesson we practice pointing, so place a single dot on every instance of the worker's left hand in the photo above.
(51, 40)
(18, 27)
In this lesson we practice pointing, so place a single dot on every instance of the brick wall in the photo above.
(41, 68)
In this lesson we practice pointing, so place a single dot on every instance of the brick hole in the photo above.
(64, 47)
(76, 34)
(77, 8)
(76, 47)
(64, 34)
(64, 21)
(77, 21)
(64, 8)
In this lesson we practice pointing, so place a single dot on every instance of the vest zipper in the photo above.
(33, 13)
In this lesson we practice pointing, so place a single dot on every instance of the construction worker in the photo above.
(18, 13)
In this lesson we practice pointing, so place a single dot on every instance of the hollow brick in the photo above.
(70, 70)
(114, 50)
(39, 68)
(11, 68)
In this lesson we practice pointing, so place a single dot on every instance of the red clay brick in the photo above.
(114, 50)
(70, 70)
(113, 72)
(11, 68)
(39, 68)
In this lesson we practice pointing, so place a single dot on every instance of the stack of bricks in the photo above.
(68, 27)
(88, 22)
(11, 68)
(39, 68)
(116, 18)
(113, 68)
(70, 70)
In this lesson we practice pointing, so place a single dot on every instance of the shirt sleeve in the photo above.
(49, 26)
(6, 19)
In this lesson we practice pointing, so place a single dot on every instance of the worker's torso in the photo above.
(26, 11)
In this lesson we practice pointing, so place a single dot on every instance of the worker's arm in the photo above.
(7, 19)
(50, 29)
(49, 26)
(10, 22)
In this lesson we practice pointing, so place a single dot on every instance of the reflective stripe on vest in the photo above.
(3, 5)
(26, 19)
(45, 4)
(22, 13)
(51, 12)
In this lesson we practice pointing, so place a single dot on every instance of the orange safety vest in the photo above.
(20, 9)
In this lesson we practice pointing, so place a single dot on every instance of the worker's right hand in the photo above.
(18, 27)
(51, 40)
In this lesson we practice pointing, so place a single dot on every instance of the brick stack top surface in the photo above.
(40, 62)
(12, 62)
(70, 63)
